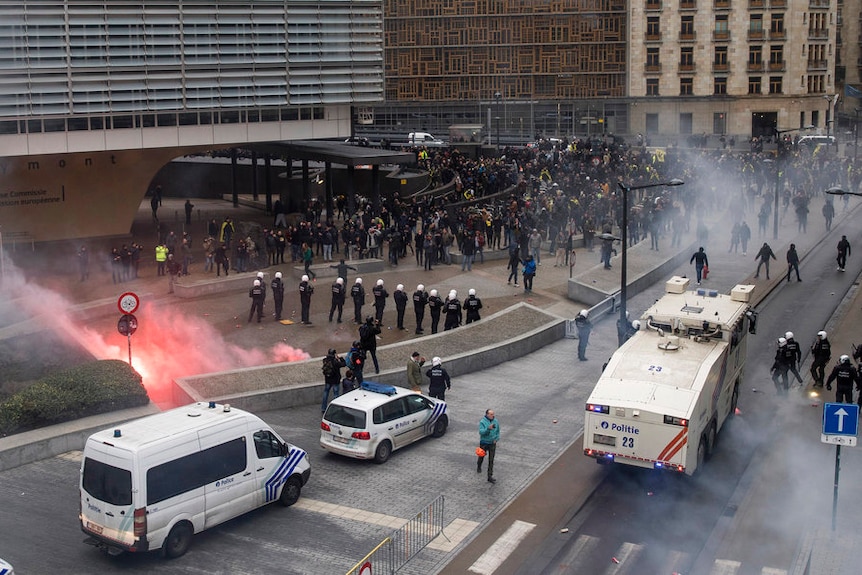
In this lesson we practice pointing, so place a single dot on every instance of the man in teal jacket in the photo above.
(489, 434)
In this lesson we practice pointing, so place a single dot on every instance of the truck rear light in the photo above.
(325, 426)
(140, 529)
(670, 420)
(598, 408)
(361, 435)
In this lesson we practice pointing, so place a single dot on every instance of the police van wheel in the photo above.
(734, 400)
(701, 452)
(441, 426)
(291, 491)
(384, 450)
(710, 441)
(179, 540)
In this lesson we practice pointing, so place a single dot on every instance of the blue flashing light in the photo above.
(609, 456)
(598, 408)
(658, 465)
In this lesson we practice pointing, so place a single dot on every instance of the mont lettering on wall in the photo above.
(68, 196)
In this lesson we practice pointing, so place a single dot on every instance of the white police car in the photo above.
(5, 568)
(374, 420)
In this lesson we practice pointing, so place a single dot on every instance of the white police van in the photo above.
(374, 420)
(152, 483)
(6, 569)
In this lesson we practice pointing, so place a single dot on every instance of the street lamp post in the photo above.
(622, 326)
(497, 97)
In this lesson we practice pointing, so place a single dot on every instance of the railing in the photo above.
(777, 34)
(687, 36)
(720, 67)
(755, 34)
(403, 544)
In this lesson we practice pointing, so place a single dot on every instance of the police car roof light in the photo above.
(379, 388)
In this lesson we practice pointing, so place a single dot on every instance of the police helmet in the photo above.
(420, 287)
(789, 335)
(436, 361)
(636, 325)
(584, 313)
(399, 287)
(305, 278)
(453, 294)
(260, 274)
(339, 281)
(380, 282)
(278, 275)
(256, 283)
(433, 293)
(821, 334)
(782, 342)
(844, 359)
(471, 292)
(359, 281)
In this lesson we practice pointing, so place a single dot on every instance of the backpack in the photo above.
(328, 369)
(357, 360)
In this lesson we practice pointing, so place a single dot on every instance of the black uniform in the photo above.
(472, 305)
(337, 300)
(420, 300)
(453, 314)
(584, 326)
(305, 291)
(400, 297)
(821, 351)
(779, 371)
(435, 306)
(439, 383)
(380, 295)
(357, 292)
(793, 356)
(846, 376)
(278, 297)
(256, 295)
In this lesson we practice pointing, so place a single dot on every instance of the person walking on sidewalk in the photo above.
(529, 273)
(792, 262)
(843, 252)
(700, 261)
(763, 255)
(489, 435)
(514, 262)
(846, 375)
(821, 351)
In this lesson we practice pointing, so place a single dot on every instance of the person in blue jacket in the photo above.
(529, 273)
(489, 434)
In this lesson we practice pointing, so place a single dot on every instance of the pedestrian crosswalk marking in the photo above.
(500, 550)
(725, 567)
(626, 554)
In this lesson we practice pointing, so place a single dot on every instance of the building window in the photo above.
(755, 58)
(721, 28)
(775, 86)
(653, 64)
(719, 123)
(720, 61)
(720, 86)
(754, 85)
(653, 28)
(686, 58)
(686, 30)
(755, 27)
(652, 124)
(686, 123)
(816, 84)
(776, 26)
(776, 58)
(652, 87)
(686, 86)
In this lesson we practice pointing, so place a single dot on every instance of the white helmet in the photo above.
(636, 324)
(584, 313)
(399, 287)
(453, 294)
(260, 275)
(844, 359)
(436, 361)
(278, 275)
(433, 293)
(256, 283)
(305, 278)
(380, 282)
(471, 292)
(340, 281)
(821, 334)
(782, 342)
(358, 281)
(789, 335)
(420, 287)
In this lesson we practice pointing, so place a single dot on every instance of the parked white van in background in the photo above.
(424, 139)
(152, 483)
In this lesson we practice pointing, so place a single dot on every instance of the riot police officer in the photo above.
(472, 304)
(435, 306)
(420, 300)
(792, 355)
(845, 376)
(453, 311)
(357, 293)
(337, 298)
(305, 291)
(821, 351)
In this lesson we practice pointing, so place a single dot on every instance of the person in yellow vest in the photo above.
(161, 258)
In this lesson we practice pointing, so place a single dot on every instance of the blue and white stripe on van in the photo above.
(282, 472)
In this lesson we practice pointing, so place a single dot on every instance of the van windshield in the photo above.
(346, 416)
(107, 483)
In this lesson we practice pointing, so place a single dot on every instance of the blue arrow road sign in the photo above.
(840, 419)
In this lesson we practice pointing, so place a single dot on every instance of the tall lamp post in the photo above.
(830, 116)
(622, 326)
(497, 97)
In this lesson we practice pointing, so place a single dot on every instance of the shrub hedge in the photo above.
(87, 389)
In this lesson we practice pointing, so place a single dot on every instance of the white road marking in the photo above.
(725, 567)
(627, 553)
(584, 545)
(500, 550)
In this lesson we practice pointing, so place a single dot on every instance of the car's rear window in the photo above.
(107, 483)
(346, 416)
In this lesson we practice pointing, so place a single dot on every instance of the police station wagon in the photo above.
(374, 420)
